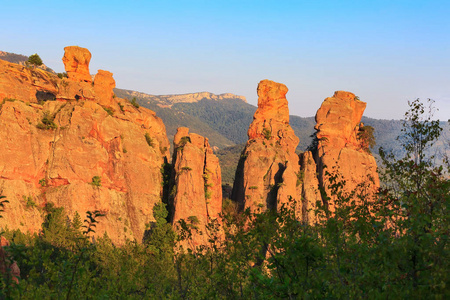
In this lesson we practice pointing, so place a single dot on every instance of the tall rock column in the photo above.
(339, 148)
(268, 170)
(197, 185)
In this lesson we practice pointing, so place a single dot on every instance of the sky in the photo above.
(385, 52)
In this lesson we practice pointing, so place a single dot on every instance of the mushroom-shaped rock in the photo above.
(76, 62)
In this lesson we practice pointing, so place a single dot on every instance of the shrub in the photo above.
(121, 106)
(43, 182)
(149, 140)
(47, 122)
(96, 181)
(109, 110)
(134, 102)
(62, 75)
(267, 133)
(29, 201)
(366, 137)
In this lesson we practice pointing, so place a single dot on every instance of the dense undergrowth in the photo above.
(394, 246)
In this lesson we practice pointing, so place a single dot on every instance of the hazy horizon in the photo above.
(385, 52)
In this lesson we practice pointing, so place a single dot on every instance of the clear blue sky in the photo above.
(386, 52)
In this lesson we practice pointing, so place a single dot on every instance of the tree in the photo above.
(35, 60)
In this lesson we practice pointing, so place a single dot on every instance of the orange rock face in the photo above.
(197, 185)
(338, 122)
(52, 151)
(104, 84)
(76, 62)
(267, 173)
(309, 186)
(28, 84)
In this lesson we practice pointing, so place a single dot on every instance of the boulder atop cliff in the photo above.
(76, 62)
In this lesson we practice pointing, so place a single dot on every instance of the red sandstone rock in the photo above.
(310, 187)
(338, 121)
(267, 173)
(104, 84)
(28, 84)
(197, 185)
(76, 62)
(57, 164)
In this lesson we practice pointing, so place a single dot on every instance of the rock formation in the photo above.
(76, 62)
(85, 151)
(339, 148)
(269, 171)
(104, 84)
(197, 185)
(28, 84)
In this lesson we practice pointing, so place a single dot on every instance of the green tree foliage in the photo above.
(367, 138)
(35, 60)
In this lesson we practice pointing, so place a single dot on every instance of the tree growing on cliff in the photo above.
(35, 60)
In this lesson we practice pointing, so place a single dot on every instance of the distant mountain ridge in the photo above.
(169, 100)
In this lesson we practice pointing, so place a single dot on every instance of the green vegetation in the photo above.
(29, 202)
(149, 140)
(62, 75)
(96, 181)
(109, 110)
(35, 60)
(267, 133)
(365, 135)
(394, 245)
(134, 102)
(121, 106)
(47, 122)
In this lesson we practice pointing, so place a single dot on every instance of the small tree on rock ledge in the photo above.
(35, 60)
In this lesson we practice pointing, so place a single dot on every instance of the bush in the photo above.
(267, 133)
(134, 102)
(96, 181)
(35, 60)
(109, 110)
(47, 122)
(149, 140)
(366, 137)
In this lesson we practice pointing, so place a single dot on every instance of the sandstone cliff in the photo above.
(270, 173)
(269, 170)
(339, 147)
(196, 191)
(72, 143)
